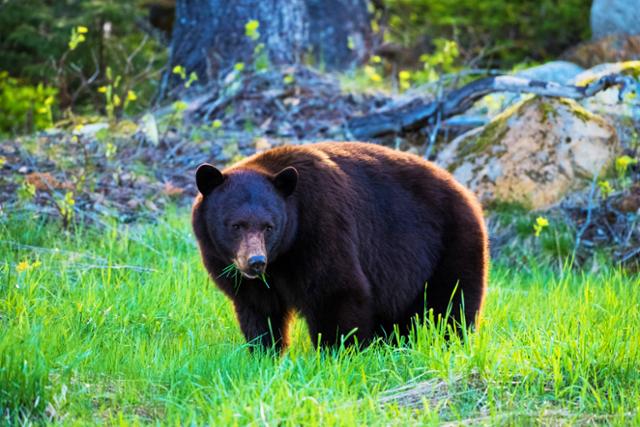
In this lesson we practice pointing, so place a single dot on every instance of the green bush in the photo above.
(24, 107)
(505, 32)
(40, 43)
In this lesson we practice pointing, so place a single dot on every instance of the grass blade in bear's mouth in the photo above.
(228, 270)
(232, 270)
(263, 277)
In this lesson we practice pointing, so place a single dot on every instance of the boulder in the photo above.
(561, 72)
(532, 154)
(614, 17)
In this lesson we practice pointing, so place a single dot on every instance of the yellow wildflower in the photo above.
(404, 78)
(251, 29)
(605, 188)
(22, 266)
(288, 79)
(540, 224)
(622, 163)
(179, 69)
(372, 74)
(179, 106)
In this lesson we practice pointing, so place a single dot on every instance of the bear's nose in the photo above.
(257, 263)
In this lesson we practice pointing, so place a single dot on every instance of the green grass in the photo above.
(121, 325)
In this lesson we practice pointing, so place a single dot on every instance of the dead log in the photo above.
(415, 116)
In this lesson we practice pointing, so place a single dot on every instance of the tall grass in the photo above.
(121, 324)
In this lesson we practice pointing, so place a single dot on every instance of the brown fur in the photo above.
(368, 235)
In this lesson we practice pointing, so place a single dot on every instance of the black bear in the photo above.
(354, 237)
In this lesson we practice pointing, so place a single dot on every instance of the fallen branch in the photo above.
(413, 117)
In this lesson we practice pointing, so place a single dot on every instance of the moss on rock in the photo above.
(533, 153)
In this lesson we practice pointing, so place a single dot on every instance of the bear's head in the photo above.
(248, 214)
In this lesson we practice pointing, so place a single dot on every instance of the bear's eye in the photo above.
(268, 228)
(236, 226)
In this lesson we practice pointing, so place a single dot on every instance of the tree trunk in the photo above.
(340, 32)
(209, 36)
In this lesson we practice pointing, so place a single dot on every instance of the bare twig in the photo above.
(85, 82)
(433, 135)
(587, 222)
(630, 255)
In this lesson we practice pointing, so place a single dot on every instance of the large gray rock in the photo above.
(561, 72)
(533, 154)
(615, 17)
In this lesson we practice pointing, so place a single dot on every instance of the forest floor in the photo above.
(120, 324)
(90, 170)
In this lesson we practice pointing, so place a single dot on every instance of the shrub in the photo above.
(24, 107)
(514, 31)
(40, 43)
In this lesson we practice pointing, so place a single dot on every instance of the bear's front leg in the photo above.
(263, 326)
(343, 317)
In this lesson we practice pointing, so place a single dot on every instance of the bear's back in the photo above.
(350, 159)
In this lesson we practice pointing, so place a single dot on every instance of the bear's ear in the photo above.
(286, 180)
(208, 178)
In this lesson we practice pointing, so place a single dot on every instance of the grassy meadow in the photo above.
(120, 325)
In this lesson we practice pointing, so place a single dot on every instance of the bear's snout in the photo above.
(257, 264)
(251, 257)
